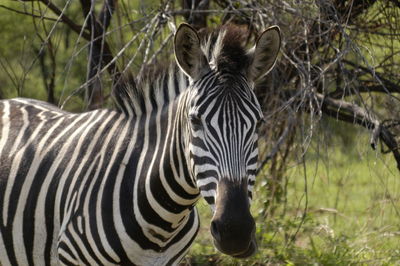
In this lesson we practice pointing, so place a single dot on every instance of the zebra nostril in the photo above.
(215, 231)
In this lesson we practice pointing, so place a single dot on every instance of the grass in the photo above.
(352, 216)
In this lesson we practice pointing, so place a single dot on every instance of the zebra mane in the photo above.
(225, 50)
(156, 88)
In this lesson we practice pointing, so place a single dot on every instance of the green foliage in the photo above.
(24, 38)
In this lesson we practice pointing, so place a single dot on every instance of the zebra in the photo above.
(119, 186)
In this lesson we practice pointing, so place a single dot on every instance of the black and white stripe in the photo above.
(112, 187)
(94, 188)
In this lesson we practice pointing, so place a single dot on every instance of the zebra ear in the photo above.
(264, 53)
(188, 53)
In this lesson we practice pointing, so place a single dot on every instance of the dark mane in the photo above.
(225, 49)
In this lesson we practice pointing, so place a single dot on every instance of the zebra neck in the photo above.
(171, 166)
(164, 182)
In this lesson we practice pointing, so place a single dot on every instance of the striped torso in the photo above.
(90, 188)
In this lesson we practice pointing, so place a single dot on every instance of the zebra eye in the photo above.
(195, 121)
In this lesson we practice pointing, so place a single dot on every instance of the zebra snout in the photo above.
(233, 227)
(234, 237)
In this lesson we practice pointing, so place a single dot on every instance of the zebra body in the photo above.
(118, 187)
(79, 201)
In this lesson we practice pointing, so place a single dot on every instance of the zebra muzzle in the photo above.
(233, 227)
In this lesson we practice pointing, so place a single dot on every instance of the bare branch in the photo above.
(352, 113)
(197, 19)
(65, 19)
(29, 14)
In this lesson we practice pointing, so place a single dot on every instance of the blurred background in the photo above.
(328, 188)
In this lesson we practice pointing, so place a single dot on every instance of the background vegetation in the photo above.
(328, 190)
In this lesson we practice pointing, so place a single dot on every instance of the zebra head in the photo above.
(222, 114)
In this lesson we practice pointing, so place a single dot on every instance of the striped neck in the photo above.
(171, 171)
(164, 182)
